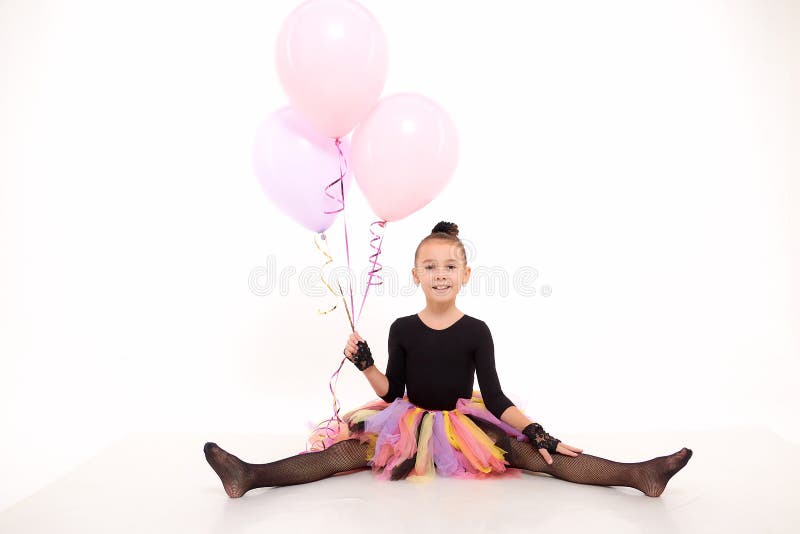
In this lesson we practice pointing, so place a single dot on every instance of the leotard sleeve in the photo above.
(493, 396)
(396, 365)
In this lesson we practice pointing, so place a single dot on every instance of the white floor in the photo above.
(737, 481)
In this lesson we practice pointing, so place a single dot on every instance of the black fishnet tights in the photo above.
(239, 477)
(649, 477)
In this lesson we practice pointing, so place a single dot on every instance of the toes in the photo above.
(208, 446)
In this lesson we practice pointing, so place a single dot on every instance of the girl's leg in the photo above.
(650, 477)
(239, 477)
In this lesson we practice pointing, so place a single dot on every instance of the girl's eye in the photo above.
(429, 266)
(452, 266)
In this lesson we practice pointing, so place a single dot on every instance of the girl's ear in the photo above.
(467, 271)
(414, 275)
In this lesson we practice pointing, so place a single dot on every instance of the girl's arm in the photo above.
(392, 385)
(493, 397)
(377, 380)
(514, 417)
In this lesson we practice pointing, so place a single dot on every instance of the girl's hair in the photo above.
(446, 231)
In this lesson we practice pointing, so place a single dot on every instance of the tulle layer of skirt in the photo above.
(410, 442)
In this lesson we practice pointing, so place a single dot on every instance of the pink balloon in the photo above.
(403, 154)
(294, 164)
(332, 59)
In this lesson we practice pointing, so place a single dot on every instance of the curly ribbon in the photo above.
(330, 428)
(333, 426)
(376, 267)
(326, 431)
(343, 170)
(328, 259)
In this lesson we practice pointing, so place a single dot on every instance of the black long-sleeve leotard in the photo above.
(438, 366)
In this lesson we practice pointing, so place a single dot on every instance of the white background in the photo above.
(641, 156)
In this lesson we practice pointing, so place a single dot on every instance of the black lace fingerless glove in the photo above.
(539, 438)
(363, 357)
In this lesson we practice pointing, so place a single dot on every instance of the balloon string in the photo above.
(344, 168)
(340, 180)
(329, 432)
(326, 431)
(324, 434)
(324, 428)
(376, 267)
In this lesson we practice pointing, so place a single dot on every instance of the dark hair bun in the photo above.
(446, 227)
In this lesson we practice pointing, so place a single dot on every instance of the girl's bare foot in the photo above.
(656, 472)
(234, 474)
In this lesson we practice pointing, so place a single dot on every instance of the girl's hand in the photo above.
(563, 448)
(547, 444)
(351, 348)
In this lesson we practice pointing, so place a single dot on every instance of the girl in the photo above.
(441, 425)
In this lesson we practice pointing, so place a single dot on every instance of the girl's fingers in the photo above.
(546, 455)
(568, 450)
(351, 347)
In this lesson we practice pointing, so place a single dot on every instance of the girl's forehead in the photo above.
(439, 251)
(434, 260)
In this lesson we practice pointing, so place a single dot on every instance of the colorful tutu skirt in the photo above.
(410, 442)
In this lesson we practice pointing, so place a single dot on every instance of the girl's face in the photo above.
(441, 270)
